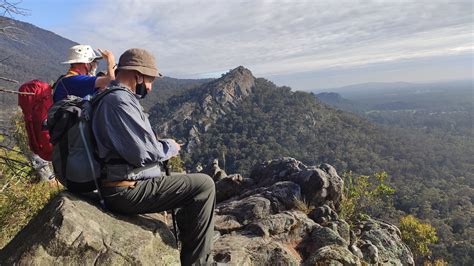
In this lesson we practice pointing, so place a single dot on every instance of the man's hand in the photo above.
(102, 82)
(172, 141)
(108, 55)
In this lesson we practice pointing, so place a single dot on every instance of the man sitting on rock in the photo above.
(133, 182)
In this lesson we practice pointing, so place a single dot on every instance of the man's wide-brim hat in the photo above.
(81, 54)
(140, 60)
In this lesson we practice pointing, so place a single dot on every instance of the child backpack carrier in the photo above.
(75, 162)
(35, 99)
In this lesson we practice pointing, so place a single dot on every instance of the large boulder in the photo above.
(250, 250)
(333, 255)
(381, 243)
(288, 226)
(323, 214)
(231, 186)
(270, 172)
(261, 202)
(74, 231)
(319, 185)
(320, 237)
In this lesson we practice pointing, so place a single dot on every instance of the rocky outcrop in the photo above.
(214, 171)
(196, 111)
(233, 87)
(286, 214)
(319, 185)
(74, 231)
(232, 186)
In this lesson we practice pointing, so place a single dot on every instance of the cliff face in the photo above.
(28, 52)
(193, 113)
(232, 88)
(284, 213)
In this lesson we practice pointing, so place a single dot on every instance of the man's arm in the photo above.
(131, 136)
(102, 82)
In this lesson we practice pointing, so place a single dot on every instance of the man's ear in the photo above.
(139, 78)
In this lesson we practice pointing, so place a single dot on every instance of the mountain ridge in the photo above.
(35, 53)
(273, 122)
(400, 85)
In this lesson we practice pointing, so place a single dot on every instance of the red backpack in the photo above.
(35, 102)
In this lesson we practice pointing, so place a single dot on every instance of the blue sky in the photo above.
(302, 44)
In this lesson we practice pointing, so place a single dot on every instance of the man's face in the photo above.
(92, 68)
(148, 82)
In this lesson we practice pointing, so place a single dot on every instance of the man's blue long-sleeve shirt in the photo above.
(122, 130)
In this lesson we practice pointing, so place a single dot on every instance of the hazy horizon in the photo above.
(306, 45)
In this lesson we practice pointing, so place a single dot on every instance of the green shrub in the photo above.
(365, 195)
(417, 235)
(18, 204)
(21, 193)
(302, 205)
(175, 164)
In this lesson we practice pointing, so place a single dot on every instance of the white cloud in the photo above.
(192, 38)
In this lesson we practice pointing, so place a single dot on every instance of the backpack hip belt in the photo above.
(119, 172)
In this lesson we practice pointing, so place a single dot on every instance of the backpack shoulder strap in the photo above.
(101, 95)
(70, 73)
(55, 84)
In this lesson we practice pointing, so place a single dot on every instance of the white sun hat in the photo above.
(81, 54)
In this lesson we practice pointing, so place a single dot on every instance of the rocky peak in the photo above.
(239, 71)
(233, 87)
(199, 109)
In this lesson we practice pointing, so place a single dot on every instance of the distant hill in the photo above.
(35, 55)
(250, 119)
(337, 101)
(376, 90)
(443, 107)
(369, 87)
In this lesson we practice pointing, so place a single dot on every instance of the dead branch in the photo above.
(5, 186)
(8, 79)
(5, 59)
(10, 149)
(10, 8)
(9, 160)
(16, 92)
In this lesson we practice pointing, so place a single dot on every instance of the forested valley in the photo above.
(430, 168)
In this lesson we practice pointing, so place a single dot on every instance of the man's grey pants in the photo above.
(194, 194)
